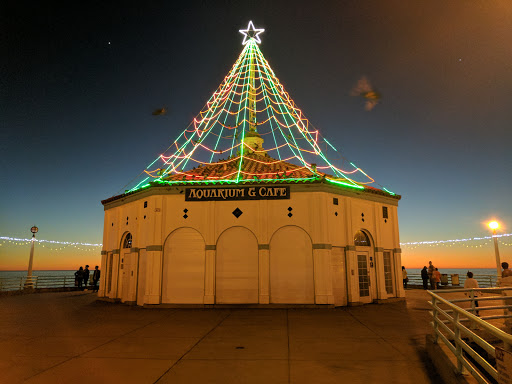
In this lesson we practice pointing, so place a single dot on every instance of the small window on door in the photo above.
(388, 274)
(364, 279)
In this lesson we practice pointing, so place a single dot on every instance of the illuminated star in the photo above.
(251, 33)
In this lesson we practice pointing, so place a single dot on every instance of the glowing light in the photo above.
(494, 225)
(251, 95)
(251, 33)
(414, 244)
(463, 241)
(14, 239)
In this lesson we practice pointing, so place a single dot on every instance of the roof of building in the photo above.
(269, 170)
(254, 167)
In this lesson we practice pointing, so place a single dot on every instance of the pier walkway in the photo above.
(70, 337)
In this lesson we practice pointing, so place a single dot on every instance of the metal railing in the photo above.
(449, 320)
(36, 282)
(449, 280)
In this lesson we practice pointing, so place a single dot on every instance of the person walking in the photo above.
(95, 279)
(471, 283)
(424, 277)
(86, 276)
(431, 270)
(405, 279)
(437, 278)
(79, 277)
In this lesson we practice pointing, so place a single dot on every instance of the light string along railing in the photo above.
(52, 245)
(504, 240)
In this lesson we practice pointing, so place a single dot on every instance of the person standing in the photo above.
(471, 283)
(506, 272)
(95, 279)
(79, 277)
(424, 277)
(431, 270)
(405, 279)
(86, 276)
(437, 278)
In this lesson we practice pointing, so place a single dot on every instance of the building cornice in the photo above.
(299, 187)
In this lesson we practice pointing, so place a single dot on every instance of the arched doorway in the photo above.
(128, 268)
(365, 266)
(291, 267)
(236, 267)
(183, 267)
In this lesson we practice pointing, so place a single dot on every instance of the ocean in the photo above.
(10, 274)
(459, 271)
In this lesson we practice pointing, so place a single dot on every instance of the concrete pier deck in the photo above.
(70, 337)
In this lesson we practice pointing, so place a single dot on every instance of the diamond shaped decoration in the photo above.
(290, 209)
(237, 212)
(335, 213)
(185, 210)
(290, 214)
(185, 216)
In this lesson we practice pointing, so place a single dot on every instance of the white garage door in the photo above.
(291, 267)
(183, 268)
(236, 267)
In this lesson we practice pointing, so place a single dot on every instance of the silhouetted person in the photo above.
(431, 270)
(405, 279)
(471, 283)
(86, 275)
(437, 278)
(95, 279)
(79, 278)
(424, 277)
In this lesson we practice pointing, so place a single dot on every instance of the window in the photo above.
(364, 279)
(109, 279)
(145, 204)
(388, 276)
(361, 239)
(335, 200)
(127, 243)
(384, 212)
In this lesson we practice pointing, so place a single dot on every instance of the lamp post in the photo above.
(494, 225)
(29, 283)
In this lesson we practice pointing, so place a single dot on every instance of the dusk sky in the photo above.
(80, 80)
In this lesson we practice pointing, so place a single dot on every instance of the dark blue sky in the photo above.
(76, 111)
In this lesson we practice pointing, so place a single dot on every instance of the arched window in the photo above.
(361, 239)
(127, 243)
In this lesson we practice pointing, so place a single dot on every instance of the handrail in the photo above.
(452, 336)
(35, 282)
(483, 280)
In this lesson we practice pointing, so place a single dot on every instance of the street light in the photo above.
(29, 283)
(494, 225)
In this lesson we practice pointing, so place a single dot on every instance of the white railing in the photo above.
(450, 280)
(35, 282)
(448, 324)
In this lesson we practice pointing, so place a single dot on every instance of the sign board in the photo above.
(504, 366)
(240, 193)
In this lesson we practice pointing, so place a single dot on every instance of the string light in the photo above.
(54, 245)
(466, 242)
(250, 97)
(43, 242)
